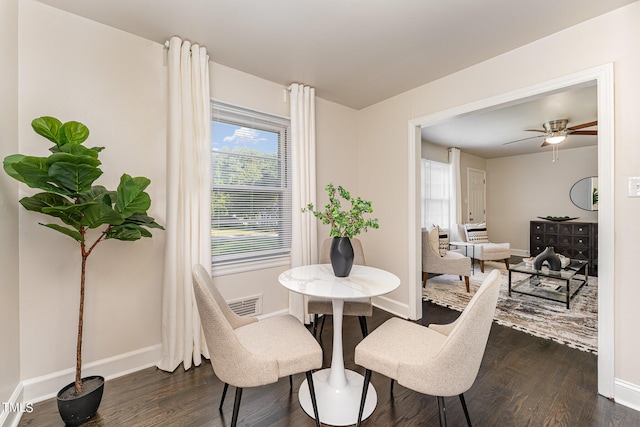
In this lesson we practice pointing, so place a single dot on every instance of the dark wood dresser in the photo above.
(576, 240)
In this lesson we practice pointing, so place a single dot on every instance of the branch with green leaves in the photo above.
(344, 223)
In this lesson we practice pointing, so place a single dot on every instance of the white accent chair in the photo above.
(355, 307)
(246, 352)
(488, 251)
(439, 360)
(453, 262)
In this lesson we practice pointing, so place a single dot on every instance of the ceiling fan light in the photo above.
(555, 139)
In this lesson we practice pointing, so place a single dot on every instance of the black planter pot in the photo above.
(76, 409)
(548, 255)
(341, 254)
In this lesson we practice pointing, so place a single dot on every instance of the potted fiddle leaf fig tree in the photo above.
(344, 224)
(87, 213)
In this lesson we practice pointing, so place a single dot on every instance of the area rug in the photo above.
(576, 327)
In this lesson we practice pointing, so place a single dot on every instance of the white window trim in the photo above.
(241, 266)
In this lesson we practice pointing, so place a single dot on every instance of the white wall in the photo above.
(522, 188)
(9, 286)
(611, 38)
(114, 83)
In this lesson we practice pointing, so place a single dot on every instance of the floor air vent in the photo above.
(248, 306)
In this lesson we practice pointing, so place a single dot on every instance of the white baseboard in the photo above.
(627, 394)
(520, 252)
(47, 386)
(392, 306)
(8, 417)
(273, 314)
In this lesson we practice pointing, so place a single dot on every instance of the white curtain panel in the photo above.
(304, 242)
(188, 227)
(456, 197)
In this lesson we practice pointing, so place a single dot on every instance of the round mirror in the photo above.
(584, 193)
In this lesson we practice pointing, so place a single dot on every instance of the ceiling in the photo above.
(484, 133)
(354, 52)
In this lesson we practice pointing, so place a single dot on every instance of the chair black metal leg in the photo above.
(391, 388)
(224, 393)
(290, 381)
(315, 325)
(441, 411)
(236, 407)
(322, 326)
(312, 391)
(365, 388)
(464, 408)
(363, 326)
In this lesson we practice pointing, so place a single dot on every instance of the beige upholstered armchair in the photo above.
(441, 360)
(452, 262)
(354, 307)
(249, 353)
(483, 250)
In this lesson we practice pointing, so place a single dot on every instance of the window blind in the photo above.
(250, 190)
(435, 194)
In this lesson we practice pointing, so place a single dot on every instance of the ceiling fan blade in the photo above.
(544, 143)
(584, 125)
(520, 140)
(535, 130)
(585, 132)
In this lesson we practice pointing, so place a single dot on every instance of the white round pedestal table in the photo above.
(338, 390)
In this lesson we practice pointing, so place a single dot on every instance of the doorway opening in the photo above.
(603, 76)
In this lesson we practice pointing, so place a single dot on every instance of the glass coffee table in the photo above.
(558, 286)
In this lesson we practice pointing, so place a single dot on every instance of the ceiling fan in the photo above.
(556, 131)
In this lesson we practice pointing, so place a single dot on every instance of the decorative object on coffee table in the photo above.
(550, 257)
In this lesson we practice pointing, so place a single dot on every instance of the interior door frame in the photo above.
(604, 77)
(484, 193)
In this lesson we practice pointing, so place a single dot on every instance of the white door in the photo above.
(476, 191)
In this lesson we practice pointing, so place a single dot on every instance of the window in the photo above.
(435, 193)
(250, 191)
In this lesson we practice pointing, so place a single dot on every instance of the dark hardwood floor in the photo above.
(523, 381)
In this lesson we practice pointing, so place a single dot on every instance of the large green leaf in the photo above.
(127, 232)
(76, 178)
(98, 193)
(81, 150)
(73, 133)
(39, 201)
(76, 159)
(71, 215)
(144, 220)
(47, 127)
(131, 197)
(98, 214)
(35, 173)
(64, 230)
(8, 163)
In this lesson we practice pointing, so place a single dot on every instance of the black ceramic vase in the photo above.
(550, 256)
(341, 254)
